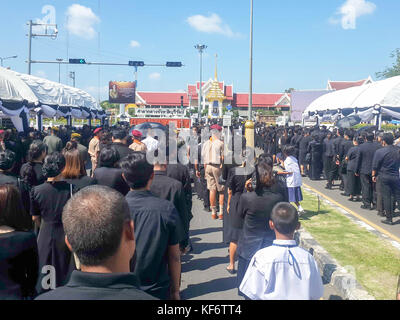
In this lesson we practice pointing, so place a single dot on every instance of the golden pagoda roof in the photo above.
(215, 92)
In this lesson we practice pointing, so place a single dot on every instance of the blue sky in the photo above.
(299, 44)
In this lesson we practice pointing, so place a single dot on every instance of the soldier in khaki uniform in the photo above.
(137, 145)
(213, 158)
(94, 147)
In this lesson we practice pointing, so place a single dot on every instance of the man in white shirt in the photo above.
(151, 143)
(283, 271)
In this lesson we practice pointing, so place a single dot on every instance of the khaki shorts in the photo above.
(212, 175)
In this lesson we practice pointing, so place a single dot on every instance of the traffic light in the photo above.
(174, 64)
(136, 63)
(77, 61)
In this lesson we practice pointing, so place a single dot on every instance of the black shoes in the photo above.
(366, 207)
(388, 222)
(344, 194)
(328, 187)
(381, 214)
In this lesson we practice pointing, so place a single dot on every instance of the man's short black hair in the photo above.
(108, 157)
(137, 170)
(370, 136)
(93, 221)
(7, 160)
(285, 218)
(388, 138)
(119, 134)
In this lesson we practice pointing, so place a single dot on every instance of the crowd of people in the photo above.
(365, 163)
(83, 212)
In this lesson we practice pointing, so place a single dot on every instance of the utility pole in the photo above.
(32, 35)
(72, 76)
(201, 48)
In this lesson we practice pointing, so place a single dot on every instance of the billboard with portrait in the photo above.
(122, 92)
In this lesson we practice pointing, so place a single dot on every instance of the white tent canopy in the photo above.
(52, 98)
(385, 93)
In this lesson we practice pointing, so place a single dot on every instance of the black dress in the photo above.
(48, 201)
(18, 265)
(235, 182)
(315, 149)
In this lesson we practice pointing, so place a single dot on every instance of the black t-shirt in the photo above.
(37, 169)
(156, 222)
(18, 265)
(111, 177)
(98, 286)
(122, 149)
(255, 209)
(81, 182)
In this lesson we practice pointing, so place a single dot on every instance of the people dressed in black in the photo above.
(99, 229)
(255, 210)
(170, 189)
(315, 151)
(329, 159)
(353, 177)
(108, 173)
(18, 248)
(156, 221)
(235, 184)
(31, 172)
(74, 171)
(118, 142)
(7, 162)
(364, 168)
(47, 203)
(385, 168)
(303, 150)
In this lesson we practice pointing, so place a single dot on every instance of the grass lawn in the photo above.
(375, 261)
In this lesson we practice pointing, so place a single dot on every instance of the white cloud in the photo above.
(81, 21)
(155, 76)
(210, 24)
(350, 11)
(135, 44)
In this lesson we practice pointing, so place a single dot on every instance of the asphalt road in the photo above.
(367, 216)
(203, 271)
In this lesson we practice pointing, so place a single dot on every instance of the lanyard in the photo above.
(290, 252)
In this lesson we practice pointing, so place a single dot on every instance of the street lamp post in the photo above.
(59, 69)
(201, 48)
(249, 132)
(6, 58)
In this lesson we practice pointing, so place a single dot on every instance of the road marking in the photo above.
(376, 227)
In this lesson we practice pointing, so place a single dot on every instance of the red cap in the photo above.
(98, 130)
(137, 133)
(216, 127)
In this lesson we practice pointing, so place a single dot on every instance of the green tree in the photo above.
(392, 71)
(106, 105)
(290, 90)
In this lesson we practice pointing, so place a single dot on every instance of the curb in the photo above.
(332, 273)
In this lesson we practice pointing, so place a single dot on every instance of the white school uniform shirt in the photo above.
(151, 144)
(282, 273)
(293, 180)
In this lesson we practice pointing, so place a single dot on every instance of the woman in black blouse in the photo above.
(47, 203)
(18, 249)
(31, 172)
(255, 209)
(74, 172)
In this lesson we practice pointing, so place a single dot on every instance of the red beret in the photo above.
(2, 131)
(216, 127)
(137, 133)
(98, 130)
